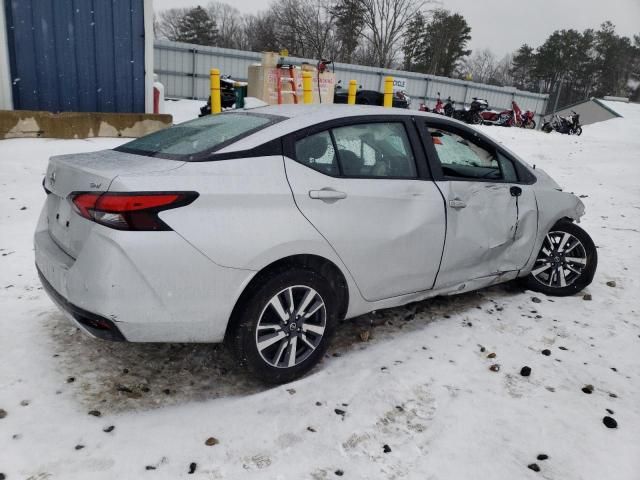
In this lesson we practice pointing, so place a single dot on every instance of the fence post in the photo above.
(216, 102)
(388, 92)
(353, 88)
(193, 74)
(307, 89)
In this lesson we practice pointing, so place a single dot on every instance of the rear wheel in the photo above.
(286, 325)
(566, 262)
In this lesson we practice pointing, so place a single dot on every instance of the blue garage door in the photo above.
(77, 55)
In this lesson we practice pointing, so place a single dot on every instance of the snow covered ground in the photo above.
(415, 400)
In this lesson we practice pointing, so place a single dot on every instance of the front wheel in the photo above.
(285, 326)
(577, 131)
(531, 124)
(476, 119)
(566, 262)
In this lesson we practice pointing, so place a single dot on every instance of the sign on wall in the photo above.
(399, 84)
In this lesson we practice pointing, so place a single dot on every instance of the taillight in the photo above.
(129, 211)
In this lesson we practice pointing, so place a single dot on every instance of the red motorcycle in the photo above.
(509, 118)
(439, 108)
(503, 119)
(524, 119)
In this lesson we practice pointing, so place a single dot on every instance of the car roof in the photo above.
(297, 117)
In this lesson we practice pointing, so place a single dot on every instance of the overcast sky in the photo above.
(504, 25)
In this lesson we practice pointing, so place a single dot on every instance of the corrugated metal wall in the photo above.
(77, 55)
(184, 70)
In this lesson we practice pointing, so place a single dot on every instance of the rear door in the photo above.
(364, 185)
(491, 207)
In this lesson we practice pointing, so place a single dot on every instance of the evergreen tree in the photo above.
(196, 26)
(349, 23)
(615, 58)
(412, 44)
(522, 66)
(436, 46)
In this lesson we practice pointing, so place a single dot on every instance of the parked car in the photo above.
(371, 97)
(263, 228)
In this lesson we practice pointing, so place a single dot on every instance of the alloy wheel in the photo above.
(561, 260)
(291, 326)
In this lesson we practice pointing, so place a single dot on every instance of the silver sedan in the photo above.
(265, 227)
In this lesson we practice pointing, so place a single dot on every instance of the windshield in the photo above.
(196, 139)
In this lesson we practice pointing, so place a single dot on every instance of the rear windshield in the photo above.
(196, 139)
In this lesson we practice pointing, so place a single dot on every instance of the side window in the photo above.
(375, 150)
(316, 151)
(461, 157)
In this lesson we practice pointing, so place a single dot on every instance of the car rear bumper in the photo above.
(93, 324)
(139, 286)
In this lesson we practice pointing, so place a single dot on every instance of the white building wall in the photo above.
(6, 97)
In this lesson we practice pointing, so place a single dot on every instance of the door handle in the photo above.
(457, 204)
(326, 194)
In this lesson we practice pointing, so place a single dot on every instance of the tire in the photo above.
(577, 131)
(530, 125)
(476, 119)
(546, 128)
(558, 274)
(280, 350)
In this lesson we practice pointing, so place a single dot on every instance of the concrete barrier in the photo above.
(35, 124)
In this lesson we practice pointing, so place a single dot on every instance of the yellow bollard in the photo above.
(388, 92)
(307, 89)
(353, 88)
(216, 101)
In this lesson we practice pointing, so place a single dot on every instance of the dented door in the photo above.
(491, 208)
(489, 230)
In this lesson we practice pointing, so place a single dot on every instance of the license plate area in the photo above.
(59, 216)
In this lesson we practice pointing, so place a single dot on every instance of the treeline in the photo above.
(573, 65)
(406, 34)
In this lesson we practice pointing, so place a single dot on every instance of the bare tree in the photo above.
(480, 67)
(317, 27)
(229, 22)
(167, 23)
(385, 22)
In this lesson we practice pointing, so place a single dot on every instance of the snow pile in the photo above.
(403, 393)
(183, 110)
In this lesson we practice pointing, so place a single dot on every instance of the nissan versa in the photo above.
(265, 227)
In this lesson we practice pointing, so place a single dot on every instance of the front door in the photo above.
(491, 213)
(361, 187)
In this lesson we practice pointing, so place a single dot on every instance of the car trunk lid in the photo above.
(87, 172)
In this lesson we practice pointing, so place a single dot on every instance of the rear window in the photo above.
(194, 140)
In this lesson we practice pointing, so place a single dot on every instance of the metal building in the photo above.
(591, 111)
(76, 55)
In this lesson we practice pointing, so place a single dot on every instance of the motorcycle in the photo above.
(471, 115)
(502, 119)
(449, 108)
(509, 118)
(439, 108)
(227, 92)
(523, 119)
(569, 125)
